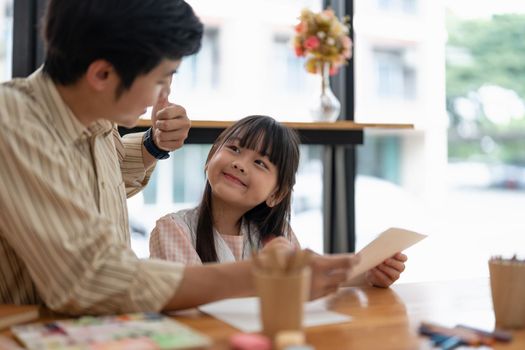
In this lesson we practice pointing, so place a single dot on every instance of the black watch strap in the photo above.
(152, 147)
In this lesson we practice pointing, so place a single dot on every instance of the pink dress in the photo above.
(173, 238)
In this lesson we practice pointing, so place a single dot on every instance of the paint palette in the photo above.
(145, 331)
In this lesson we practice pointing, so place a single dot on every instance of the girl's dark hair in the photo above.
(264, 135)
(133, 35)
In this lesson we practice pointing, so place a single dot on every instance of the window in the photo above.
(201, 72)
(409, 6)
(246, 65)
(6, 38)
(395, 77)
(406, 6)
(381, 157)
(179, 179)
(289, 70)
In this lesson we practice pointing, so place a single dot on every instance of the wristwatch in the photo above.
(152, 147)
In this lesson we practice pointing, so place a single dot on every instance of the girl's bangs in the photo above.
(263, 139)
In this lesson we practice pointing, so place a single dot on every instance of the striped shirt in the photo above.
(64, 235)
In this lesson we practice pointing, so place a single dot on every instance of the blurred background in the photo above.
(455, 69)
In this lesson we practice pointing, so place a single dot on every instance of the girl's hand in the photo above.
(386, 273)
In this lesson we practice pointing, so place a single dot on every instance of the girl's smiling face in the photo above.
(241, 176)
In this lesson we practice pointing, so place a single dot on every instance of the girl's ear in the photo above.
(270, 202)
(275, 198)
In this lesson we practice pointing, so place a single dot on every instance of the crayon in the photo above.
(468, 337)
(497, 334)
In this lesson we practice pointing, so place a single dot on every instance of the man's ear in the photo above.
(100, 75)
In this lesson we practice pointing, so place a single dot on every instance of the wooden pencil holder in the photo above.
(507, 282)
(282, 299)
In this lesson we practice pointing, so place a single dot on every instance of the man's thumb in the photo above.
(162, 103)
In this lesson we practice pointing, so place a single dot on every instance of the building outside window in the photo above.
(201, 72)
(247, 63)
(406, 6)
(398, 80)
(395, 77)
(399, 52)
(288, 72)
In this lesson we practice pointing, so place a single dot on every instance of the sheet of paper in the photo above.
(243, 313)
(384, 246)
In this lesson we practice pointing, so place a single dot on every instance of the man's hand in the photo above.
(386, 273)
(329, 271)
(170, 124)
(278, 243)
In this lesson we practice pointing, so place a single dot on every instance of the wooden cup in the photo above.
(507, 282)
(281, 299)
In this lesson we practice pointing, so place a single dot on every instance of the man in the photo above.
(64, 236)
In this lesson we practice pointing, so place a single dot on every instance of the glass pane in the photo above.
(6, 38)
(395, 77)
(247, 64)
(453, 72)
(406, 6)
(400, 78)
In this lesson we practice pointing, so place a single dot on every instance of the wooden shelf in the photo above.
(339, 125)
(311, 133)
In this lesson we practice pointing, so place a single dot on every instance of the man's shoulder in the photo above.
(17, 89)
(22, 112)
(17, 99)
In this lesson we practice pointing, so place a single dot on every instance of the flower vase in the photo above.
(326, 106)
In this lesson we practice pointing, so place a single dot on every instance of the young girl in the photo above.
(250, 173)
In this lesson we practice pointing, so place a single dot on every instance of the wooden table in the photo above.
(389, 318)
(386, 318)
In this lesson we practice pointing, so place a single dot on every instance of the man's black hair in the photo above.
(133, 35)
